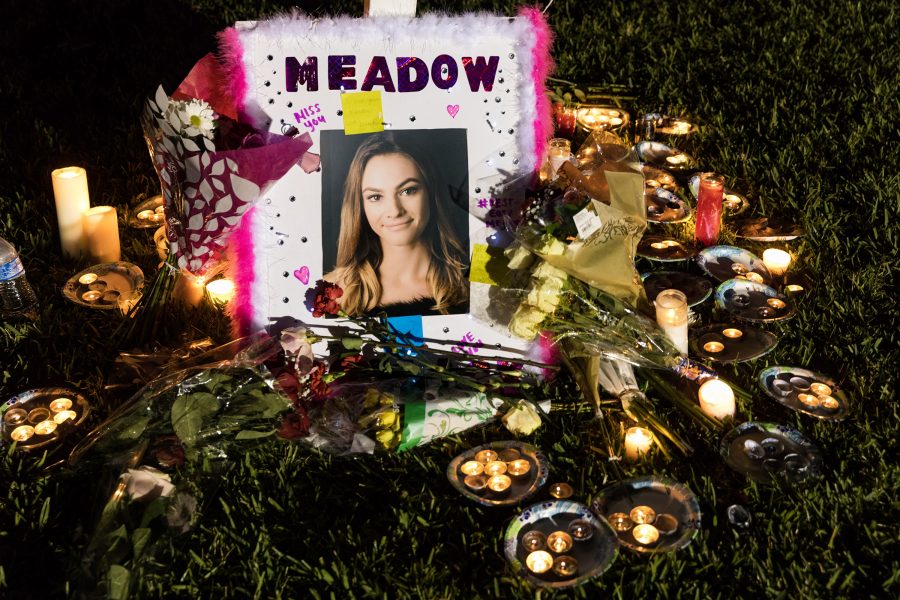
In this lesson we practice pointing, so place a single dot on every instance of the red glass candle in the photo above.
(709, 208)
(565, 120)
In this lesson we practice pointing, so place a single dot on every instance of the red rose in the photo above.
(321, 300)
(294, 425)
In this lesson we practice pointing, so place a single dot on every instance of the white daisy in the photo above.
(198, 118)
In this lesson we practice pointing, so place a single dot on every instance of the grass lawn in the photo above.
(800, 103)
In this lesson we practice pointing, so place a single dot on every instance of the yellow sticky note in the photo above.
(485, 268)
(362, 112)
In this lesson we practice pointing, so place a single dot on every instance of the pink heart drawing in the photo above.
(453, 109)
(302, 274)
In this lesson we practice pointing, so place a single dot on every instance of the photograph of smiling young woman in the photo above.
(397, 251)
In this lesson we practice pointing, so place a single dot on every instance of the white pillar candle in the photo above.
(716, 399)
(777, 261)
(637, 442)
(70, 191)
(672, 317)
(101, 230)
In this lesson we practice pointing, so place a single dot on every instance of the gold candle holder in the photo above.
(645, 534)
(15, 416)
(539, 561)
(486, 456)
(496, 467)
(472, 467)
(565, 566)
(508, 455)
(63, 416)
(60, 404)
(534, 540)
(518, 468)
(499, 484)
(560, 491)
(642, 515)
(45, 427)
(38, 414)
(620, 521)
(22, 433)
(559, 542)
(476, 483)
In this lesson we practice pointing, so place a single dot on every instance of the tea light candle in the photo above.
(486, 456)
(472, 467)
(496, 467)
(681, 127)
(63, 416)
(14, 416)
(645, 534)
(672, 317)
(145, 215)
(671, 243)
(652, 183)
(22, 433)
(565, 566)
(508, 455)
(659, 245)
(101, 230)
(793, 288)
(534, 540)
(70, 192)
(754, 277)
(830, 403)
(220, 291)
(820, 389)
(87, 278)
(620, 521)
(518, 468)
(561, 491)
(713, 347)
(91, 296)
(776, 303)
(476, 483)
(666, 524)
(45, 427)
(615, 121)
(809, 400)
(676, 159)
(581, 530)
(638, 441)
(732, 333)
(732, 202)
(539, 561)
(499, 483)
(777, 261)
(642, 514)
(60, 404)
(157, 217)
(559, 542)
(716, 399)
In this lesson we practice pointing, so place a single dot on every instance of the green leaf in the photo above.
(579, 94)
(118, 580)
(188, 412)
(139, 540)
(249, 434)
(351, 343)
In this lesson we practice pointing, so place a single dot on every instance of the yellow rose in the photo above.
(518, 257)
(551, 246)
(522, 418)
(546, 271)
(545, 294)
(526, 322)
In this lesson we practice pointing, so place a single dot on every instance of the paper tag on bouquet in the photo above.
(431, 419)
(587, 222)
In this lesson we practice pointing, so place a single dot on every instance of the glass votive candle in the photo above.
(499, 484)
(638, 441)
(539, 561)
(716, 399)
(91, 296)
(641, 515)
(476, 483)
(561, 491)
(581, 530)
(559, 542)
(777, 261)
(38, 414)
(495, 467)
(509, 455)
(60, 404)
(87, 278)
(518, 468)
(534, 540)
(15, 416)
(565, 566)
(472, 467)
(732, 333)
(666, 524)
(620, 521)
(63, 416)
(820, 389)
(486, 456)
(45, 427)
(22, 433)
(645, 534)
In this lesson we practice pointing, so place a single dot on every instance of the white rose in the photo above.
(147, 482)
(545, 294)
(522, 418)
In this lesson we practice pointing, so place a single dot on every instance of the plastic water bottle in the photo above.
(16, 295)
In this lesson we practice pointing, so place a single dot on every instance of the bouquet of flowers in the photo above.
(212, 168)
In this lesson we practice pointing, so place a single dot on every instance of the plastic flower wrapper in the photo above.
(161, 455)
(589, 221)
